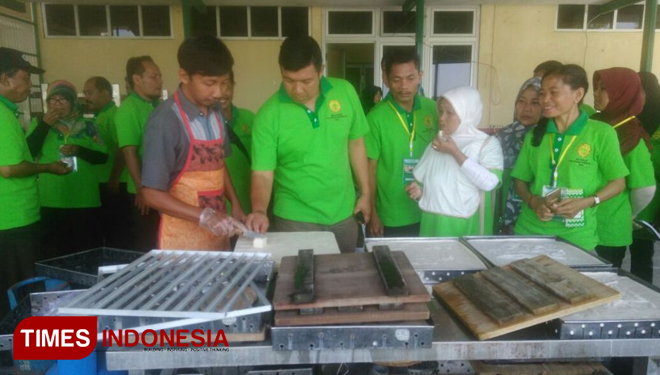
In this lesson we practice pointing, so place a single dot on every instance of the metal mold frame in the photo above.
(433, 276)
(173, 279)
(606, 265)
(413, 335)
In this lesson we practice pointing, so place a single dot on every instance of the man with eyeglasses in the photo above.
(19, 216)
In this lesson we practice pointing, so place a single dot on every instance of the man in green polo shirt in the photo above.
(401, 127)
(112, 174)
(19, 200)
(307, 139)
(238, 122)
(146, 83)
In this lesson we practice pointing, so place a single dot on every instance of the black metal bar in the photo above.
(389, 272)
(304, 278)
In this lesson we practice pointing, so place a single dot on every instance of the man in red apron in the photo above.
(185, 145)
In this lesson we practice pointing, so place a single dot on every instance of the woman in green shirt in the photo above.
(642, 248)
(69, 204)
(568, 164)
(619, 97)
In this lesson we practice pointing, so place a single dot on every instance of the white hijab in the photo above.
(447, 190)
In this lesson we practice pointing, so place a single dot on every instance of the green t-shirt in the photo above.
(105, 123)
(130, 121)
(615, 215)
(592, 160)
(649, 213)
(238, 163)
(388, 142)
(78, 189)
(434, 225)
(18, 195)
(308, 152)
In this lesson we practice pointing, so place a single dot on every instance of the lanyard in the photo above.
(623, 122)
(405, 127)
(555, 166)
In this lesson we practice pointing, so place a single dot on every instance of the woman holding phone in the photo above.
(568, 165)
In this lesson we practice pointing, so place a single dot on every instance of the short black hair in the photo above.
(571, 74)
(205, 55)
(547, 66)
(101, 84)
(135, 65)
(401, 55)
(297, 52)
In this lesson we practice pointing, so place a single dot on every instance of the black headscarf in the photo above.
(650, 115)
(367, 97)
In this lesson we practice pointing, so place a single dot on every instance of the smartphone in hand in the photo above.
(553, 197)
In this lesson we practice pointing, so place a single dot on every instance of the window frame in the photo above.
(108, 25)
(475, 26)
(585, 21)
(430, 41)
(249, 23)
(375, 22)
(382, 23)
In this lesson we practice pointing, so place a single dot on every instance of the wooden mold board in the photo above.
(544, 285)
(370, 314)
(342, 280)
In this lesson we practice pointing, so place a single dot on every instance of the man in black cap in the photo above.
(19, 201)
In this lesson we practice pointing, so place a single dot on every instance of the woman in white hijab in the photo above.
(457, 169)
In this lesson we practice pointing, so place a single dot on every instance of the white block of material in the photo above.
(281, 244)
(260, 242)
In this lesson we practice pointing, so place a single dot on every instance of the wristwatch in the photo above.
(596, 200)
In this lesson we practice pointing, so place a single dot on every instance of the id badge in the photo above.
(408, 166)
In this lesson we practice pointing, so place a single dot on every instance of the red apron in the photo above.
(200, 183)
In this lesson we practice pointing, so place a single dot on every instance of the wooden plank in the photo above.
(484, 327)
(303, 283)
(388, 269)
(347, 280)
(488, 299)
(555, 283)
(370, 314)
(521, 290)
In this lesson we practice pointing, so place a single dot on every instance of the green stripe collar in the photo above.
(11, 105)
(575, 128)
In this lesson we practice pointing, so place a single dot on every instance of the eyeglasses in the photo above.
(58, 101)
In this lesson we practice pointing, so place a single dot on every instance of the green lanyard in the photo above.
(405, 127)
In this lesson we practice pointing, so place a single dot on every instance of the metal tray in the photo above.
(499, 251)
(635, 315)
(409, 335)
(197, 285)
(83, 268)
(434, 259)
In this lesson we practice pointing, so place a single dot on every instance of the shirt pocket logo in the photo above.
(335, 106)
(583, 150)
